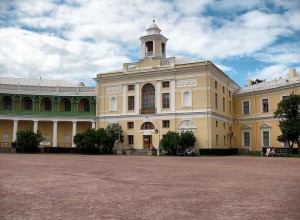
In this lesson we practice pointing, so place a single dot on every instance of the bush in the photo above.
(27, 141)
(219, 152)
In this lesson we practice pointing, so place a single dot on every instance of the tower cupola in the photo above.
(153, 44)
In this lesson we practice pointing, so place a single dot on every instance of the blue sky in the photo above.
(77, 39)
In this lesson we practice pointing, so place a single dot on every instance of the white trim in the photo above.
(113, 106)
(261, 104)
(172, 95)
(189, 101)
(243, 138)
(262, 136)
(158, 96)
(243, 112)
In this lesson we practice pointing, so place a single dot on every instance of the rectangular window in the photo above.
(223, 90)
(130, 103)
(28, 104)
(229, 93)
(217, 123)
(130, 87)
(130, 125)
(7, 104)
(265, 105)
(224, 140)
(224, 125)
(246, 109)
(223, 104)
(86, 106)
(67, 106)
(130, 139)
(229, 107)
(216, 85)
(165, 123)
(166, 84)
(246, 139)
(266, 138)
(216, 100)
(48, 105)
(285, 97)
(166, 100)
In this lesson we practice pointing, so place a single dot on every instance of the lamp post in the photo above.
(158, 132)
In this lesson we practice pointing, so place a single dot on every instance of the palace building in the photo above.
(148, 98)
(162, 94)
(57, 109)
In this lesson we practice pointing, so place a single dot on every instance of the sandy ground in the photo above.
(52, 186)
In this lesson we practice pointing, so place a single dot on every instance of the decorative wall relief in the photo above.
(187, 82)
(114, 90)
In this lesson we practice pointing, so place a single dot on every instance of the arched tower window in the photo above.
(148, 99)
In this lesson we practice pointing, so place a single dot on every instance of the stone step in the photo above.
(140, 152)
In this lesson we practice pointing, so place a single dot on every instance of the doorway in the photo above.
(147, 141)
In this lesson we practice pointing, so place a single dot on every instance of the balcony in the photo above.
(148, 111)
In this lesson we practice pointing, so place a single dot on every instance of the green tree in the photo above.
(28, 141)
(115, 135)
(170, 142)
(288, 113)
(86, 139)
(187, 139)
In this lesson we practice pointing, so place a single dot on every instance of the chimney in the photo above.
(249, 82)
(292, 73)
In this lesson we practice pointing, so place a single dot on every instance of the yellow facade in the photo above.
(258, 120)
(201, 98)
(187, 95)
(155, 95)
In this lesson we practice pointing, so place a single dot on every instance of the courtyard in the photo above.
(67, 186)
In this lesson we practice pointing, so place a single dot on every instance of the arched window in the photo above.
(46, 104)
(186, 99)
(7, 103)
(148, 98)
(113, 104)
(147, 126)
(27, 104)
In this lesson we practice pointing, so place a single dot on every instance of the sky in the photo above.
(75, 40)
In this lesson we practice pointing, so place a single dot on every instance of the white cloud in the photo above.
(84, 37)
(269, 73)
(27, 54)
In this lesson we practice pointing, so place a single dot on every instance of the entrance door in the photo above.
(147, 141)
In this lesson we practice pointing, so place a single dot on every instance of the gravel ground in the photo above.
(62, 186)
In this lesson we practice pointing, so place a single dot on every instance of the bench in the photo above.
(279, 151)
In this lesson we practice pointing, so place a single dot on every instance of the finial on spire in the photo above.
(154, 19)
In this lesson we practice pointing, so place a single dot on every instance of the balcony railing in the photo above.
(165, 62)
(148, 111)
(149, 54)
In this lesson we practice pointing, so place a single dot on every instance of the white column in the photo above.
(74, 131)
(173, 95)
(124, 99)
(154, 46)
(54, 134)
(143, 51)
(137, 98)
(93, 125)
(35, 126)
(15, 129)
(158, 96)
